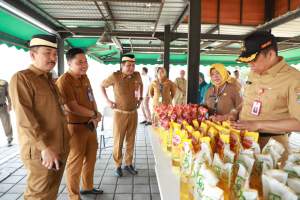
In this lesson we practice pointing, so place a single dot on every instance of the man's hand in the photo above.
(50, 159)
(95, 122)
(111, 104)
(245, 125)
(98, 117)
(218, 118)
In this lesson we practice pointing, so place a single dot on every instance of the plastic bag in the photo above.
(279, 175)
(273, 189)
(294, 184)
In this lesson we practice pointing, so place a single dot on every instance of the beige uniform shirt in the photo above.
(125, 89)
(278, 91)
(4, 92)
(181, 84)
(78, 90)
(166, 91)
(40, 118)
(229, 99)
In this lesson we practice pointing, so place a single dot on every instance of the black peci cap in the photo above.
(254, 43)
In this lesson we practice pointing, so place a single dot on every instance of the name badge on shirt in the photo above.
(90, 95)
(256, 107)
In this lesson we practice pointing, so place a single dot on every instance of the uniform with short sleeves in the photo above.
(83, 142)
(125, 115)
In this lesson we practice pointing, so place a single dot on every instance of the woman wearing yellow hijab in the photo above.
(223, 99)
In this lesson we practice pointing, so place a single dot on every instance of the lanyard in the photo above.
(216, 97)
(161, 87)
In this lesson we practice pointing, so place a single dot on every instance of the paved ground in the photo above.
(140, 187)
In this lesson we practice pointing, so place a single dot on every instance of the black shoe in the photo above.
(93, 191)
(148, 124)
(119, 172)
(131, 170)
(9, 143)
(143, 122)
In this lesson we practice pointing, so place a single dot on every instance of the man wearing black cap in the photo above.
(128, 92)
(42, 128)
(271, 103)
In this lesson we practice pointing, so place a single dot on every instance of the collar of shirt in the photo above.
(277, 67)
(39, 72)
(77, 81)
(123, 76)
(181, 79)
(164, 80)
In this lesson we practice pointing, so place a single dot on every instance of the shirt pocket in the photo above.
(42, 96)
(279, 101)
(34, 153)
(29, 151)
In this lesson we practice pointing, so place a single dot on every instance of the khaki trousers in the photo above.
(6, 123)
(42, 184)
(124, 128)
(145, 109)
(81, 160)
(179, 98)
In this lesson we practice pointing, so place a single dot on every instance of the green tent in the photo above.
(15, 31)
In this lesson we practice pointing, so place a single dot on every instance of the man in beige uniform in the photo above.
(180, 96)
(42, 128)
(5, 107)
(126, 84)
(271, 103)
(83, 118)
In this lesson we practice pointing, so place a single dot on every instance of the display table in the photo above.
(168, 182)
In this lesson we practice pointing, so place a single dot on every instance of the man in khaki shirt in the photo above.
(271, 102)
(83, 118)
(5, 108)
(42, 128)
(128, 92)
(180, 96)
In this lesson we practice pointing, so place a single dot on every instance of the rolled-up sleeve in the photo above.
(66, 90)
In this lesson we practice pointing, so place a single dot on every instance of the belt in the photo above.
(86, 124)
(77, 123)
(262, 134)
(125, 112)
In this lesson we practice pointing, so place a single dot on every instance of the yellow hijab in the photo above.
(222, 71)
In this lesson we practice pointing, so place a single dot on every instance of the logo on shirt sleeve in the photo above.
(297, 91)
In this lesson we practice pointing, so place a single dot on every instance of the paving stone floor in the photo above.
(140, 187)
